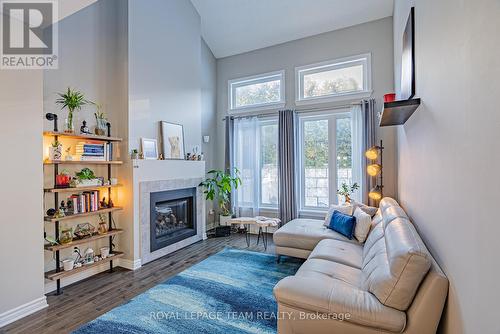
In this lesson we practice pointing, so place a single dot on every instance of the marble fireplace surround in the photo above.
(148, 187)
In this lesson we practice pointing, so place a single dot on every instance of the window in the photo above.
(257, 92)
(256, 156)
(325, 153)
(338, 79)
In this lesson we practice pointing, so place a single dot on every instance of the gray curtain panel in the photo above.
(369, 139)
(286, 166)
(229, 150)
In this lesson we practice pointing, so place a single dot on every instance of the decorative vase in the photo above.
(69, 126)
(102, 228)
(55, 153)
(224, 220)
(100, 128)
(66, 236)
(347, 199)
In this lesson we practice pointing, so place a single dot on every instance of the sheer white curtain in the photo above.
(357, 151)
(246, 130)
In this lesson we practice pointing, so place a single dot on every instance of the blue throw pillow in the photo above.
(343, 224)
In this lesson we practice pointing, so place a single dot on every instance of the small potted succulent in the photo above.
(346, 191)
(134, 154)
(55, 151)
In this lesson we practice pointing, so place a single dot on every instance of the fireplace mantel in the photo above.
(162, 175)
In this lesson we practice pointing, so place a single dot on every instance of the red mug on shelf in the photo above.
(390, 97)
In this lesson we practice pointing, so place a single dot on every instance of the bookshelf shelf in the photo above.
(78, 189)
(57, 275)
(77, 242)
(87, 137)
(82, 162)
(85, 214)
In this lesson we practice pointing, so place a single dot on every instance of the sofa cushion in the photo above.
(369, 210)
(305, 234)
(345, 209)
(333, 296)
(338, 251)
(363, 224)
(395, 265)
(330, 269)
(343, 224)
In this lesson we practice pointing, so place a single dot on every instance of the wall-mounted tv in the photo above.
(407, 90)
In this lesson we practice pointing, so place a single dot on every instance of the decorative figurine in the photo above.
(103, 203)
(110, 203)
(188, 156)
(69, 206)
(51, 212)
(59, 214)
(161, 157)
(68, 156)
(84, 130)
(63, 207)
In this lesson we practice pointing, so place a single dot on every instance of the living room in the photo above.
(221, 166)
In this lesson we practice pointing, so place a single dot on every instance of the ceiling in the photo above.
(235, 26)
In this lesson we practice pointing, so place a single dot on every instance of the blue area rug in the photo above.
(229, 292)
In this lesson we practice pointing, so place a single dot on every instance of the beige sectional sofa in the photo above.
(389, 284)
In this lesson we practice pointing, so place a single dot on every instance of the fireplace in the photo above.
(172, 217)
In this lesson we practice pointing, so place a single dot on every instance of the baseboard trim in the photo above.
(129, 264)
(23, 311)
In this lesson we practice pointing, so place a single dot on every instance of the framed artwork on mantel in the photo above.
(172, 139)
(149, 149)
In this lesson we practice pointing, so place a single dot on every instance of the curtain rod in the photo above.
(298, 110)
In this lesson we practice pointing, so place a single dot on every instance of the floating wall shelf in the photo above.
(398, 112)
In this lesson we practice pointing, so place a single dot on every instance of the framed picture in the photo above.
(149, 148)
(172, 138)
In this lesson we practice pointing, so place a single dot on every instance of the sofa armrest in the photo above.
(332, 296)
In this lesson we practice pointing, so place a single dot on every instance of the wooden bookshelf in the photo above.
(81, 136)
(58, 273)
(82, 162)
(85, 214)
(77, 242)
(54, 275)
(79, 189)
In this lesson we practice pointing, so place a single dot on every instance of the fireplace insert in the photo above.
(173, 217)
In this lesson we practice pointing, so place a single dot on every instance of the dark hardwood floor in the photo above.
(90, 298)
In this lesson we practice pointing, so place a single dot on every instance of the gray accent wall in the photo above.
(448, 154)
(375, 37)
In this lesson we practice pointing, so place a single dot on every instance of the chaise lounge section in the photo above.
(389, 284)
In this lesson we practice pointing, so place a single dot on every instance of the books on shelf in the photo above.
(94, 151)
(87, 201)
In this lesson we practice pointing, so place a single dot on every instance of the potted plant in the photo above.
(73, 100)
(86, 178)
(101, 120)
(134, 154)
(346, 191)
(219, 185)
(55, 151)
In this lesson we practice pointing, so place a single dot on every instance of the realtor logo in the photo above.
(29, 35)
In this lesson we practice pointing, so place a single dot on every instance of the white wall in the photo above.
(448, 151)
(164, 84)
(164, 69)
(21, 198)
(374, 37)
(91, 58)
(209, 115)
(21, 227)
